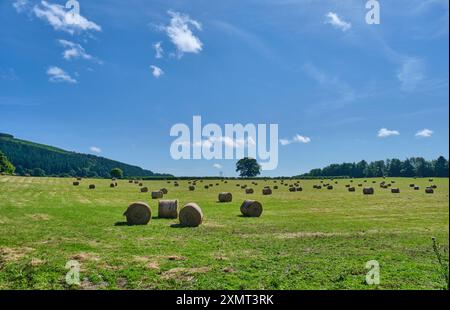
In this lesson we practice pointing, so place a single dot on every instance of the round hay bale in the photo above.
(130, 181)
(429, 190)
(115, 184)
(395, 190)
(217, 184)
(112, 185)
(138, 213)
(275, 187)
(368, 191)
(249, 191)
(176, 184)
(412, 185)
(351, 189)
(430, 180)
(192, 188)
(292, 189)
(78, 179)
(266, 191)
(136, 181)
(416, 188)
(298, 189)
(92, 186)
(191, 215)
(359, 185)
(225, 197)
(206, 186)
(347, 185)
(330, 187)
(141, 184)
(433, 186)
(244, 186)
(144, 189)
(157, 194)
(168, 209)
(164, 191)
(76, 183)
(319, 187)
(251, 208)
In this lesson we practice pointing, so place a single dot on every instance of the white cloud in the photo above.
(411, 73)
(95, 149)
(21, 5)
(57, 17)
(384, 132)
(334, 20)
(424, 133)
(217, 166)
(74, 50)
(181, 35)
(159, 52)
(296, 139)
(156, 71)
(57, 75)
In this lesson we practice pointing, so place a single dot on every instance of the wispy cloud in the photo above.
(156, 71)
(337, 22)
(95, 149)
(159, 52)
(21, 5)
(424, 133)
(180, 33)
(58, 75)
(411, 73)
(384, 133)
(57, 17)
(296, 139)
(8, 74)
(74, 51)
(218, 166)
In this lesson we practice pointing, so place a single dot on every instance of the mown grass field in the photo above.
(314, 239)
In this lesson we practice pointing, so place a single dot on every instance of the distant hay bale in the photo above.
(217, 184)
(368, 191)
(433, 186)
(430, 180)
(136, 181)
(115, 184)
(76, 183)
(164, 191)
(347, 185)
(392, 181)
(168, 209)
(319, 187)
(374, 182)
(191, 215)
(251, 208)
(192, 188)
(292, 189)
(237, 185)
(92, 186)
(395, 190)
(112, 185)
(225, 197)
(78, 179)
(157, 194)
(275, 187)
(141, 184)
(330, 187)
(144, 189)
(138, 213)
(298, 189)
(416, 188)
(412, 185)
(429, 190)
(359, 185)
(351, 189)
(365, 181)
(244, 186)
(266, 191)
(130, 181)
(249, 191)
(206, 186)
(176, 184)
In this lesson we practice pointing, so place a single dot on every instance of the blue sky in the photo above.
(339, 88)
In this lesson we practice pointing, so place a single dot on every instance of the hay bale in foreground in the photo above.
(76, 183)
(225, 197)
(395, 190)
(164, 191)
(157, 194)
(192, 188)
(144, 189)
(368, 191)
(112, 185)
(138, 213)
(266, 191)
(92, 186)
(168, 209)
(251, 208)
(249, 191)
(191, 215)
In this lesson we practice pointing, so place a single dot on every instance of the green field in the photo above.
(314, 239)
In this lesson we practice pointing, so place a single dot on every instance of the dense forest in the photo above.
(410, 167)
(36, 159)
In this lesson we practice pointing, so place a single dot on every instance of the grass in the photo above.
(314, 239)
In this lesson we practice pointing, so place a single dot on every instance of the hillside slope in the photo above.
(36, 159)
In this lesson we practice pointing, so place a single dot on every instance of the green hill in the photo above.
(39, 159)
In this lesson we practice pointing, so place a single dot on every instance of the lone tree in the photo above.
(116, 173)
(5, 164)
(248, 167)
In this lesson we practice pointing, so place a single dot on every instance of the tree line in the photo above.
(410, 167)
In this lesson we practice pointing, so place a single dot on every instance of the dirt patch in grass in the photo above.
(36, 262)
(86, 256)
(13, 254)
(86, 284)
(39, 217)
(183, 274)
(150, 263)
